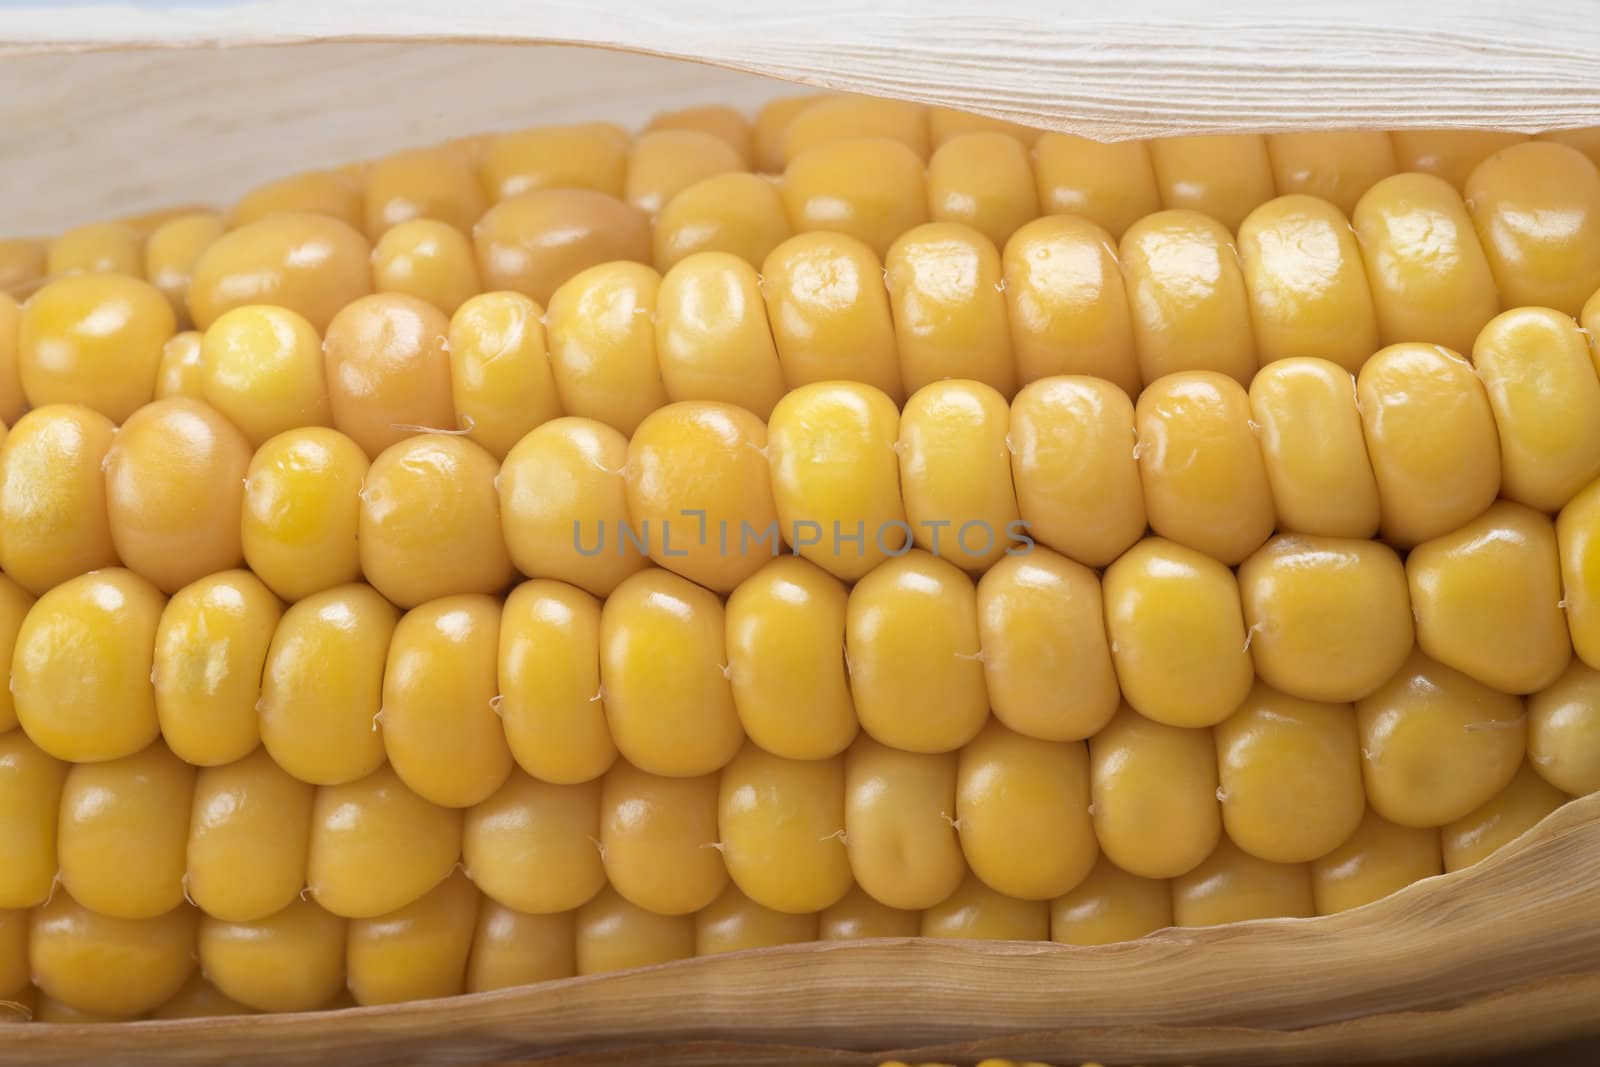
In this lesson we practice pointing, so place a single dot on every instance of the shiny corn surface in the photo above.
(567, 550)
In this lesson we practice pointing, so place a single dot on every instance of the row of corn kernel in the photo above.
(711, 329)
(434, 517)
(1178, 298)
(976, 173)
(449, 940)
(1201, 461)
(1430, 744)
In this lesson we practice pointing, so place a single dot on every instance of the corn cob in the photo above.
(479, 793)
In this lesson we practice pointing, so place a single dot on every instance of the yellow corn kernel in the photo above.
(512, 949)
(1225, 176)
(911, 642)
(199, 999)
(174, 489)
(737, 213)
(440, 730)
(210, 648)
(531, 846)
(22, 264)
(1233, 886)
(1067, 303)
(1429, 278)
(1564, 730)
(836, 477)
(172, 252)
(95, 340)
(974, 911)
(829, 312)
(582, 156)
(1500, 820)
(107, 966)
(564, 505)
(1338, 166)
(1329, 617)
(699, 489)
(30, 805)
(856, 916)
(388, 371)
(310, 264)
(1205, 482)
(179, 372)
(430, 521)
(614, 935)
(900, 829)
(662, 657)
(712, 337)
(658, 840)
(949, 311)
(1110, 185)
(1290, 775)
(946, 123)
(1110, 905)
(1536, 208)
(1307, 283)
(261, 366)
(501, 383)
(96, 248)
(1177, 634)
(249, 834)
(1435, 744)
(781, 824)
(837, 118)
(551, 703)
(666, 162)
(772, 123)
(724, 123)
(955, 473)
(302, 509)
(1187, 295)
(377, 846)
(1154, 790)
(983, 179)
(80, 675)
(869, 188)
(785, 627)
(1451, 155)
(1488, 599)
(323, 683)
(12, 401)
(1314, 449)
(424, 183)
(534, 243)
(1046, 662)
(416, 952)
(1022, 808)
(602, 340)
(1431, 436)
(292, 960)
(318, 192)
(1536, 367)
(1579, 549)
(1075, 468)
(1380, 858)
(734, 922)
(430, 260)
(14, 604)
